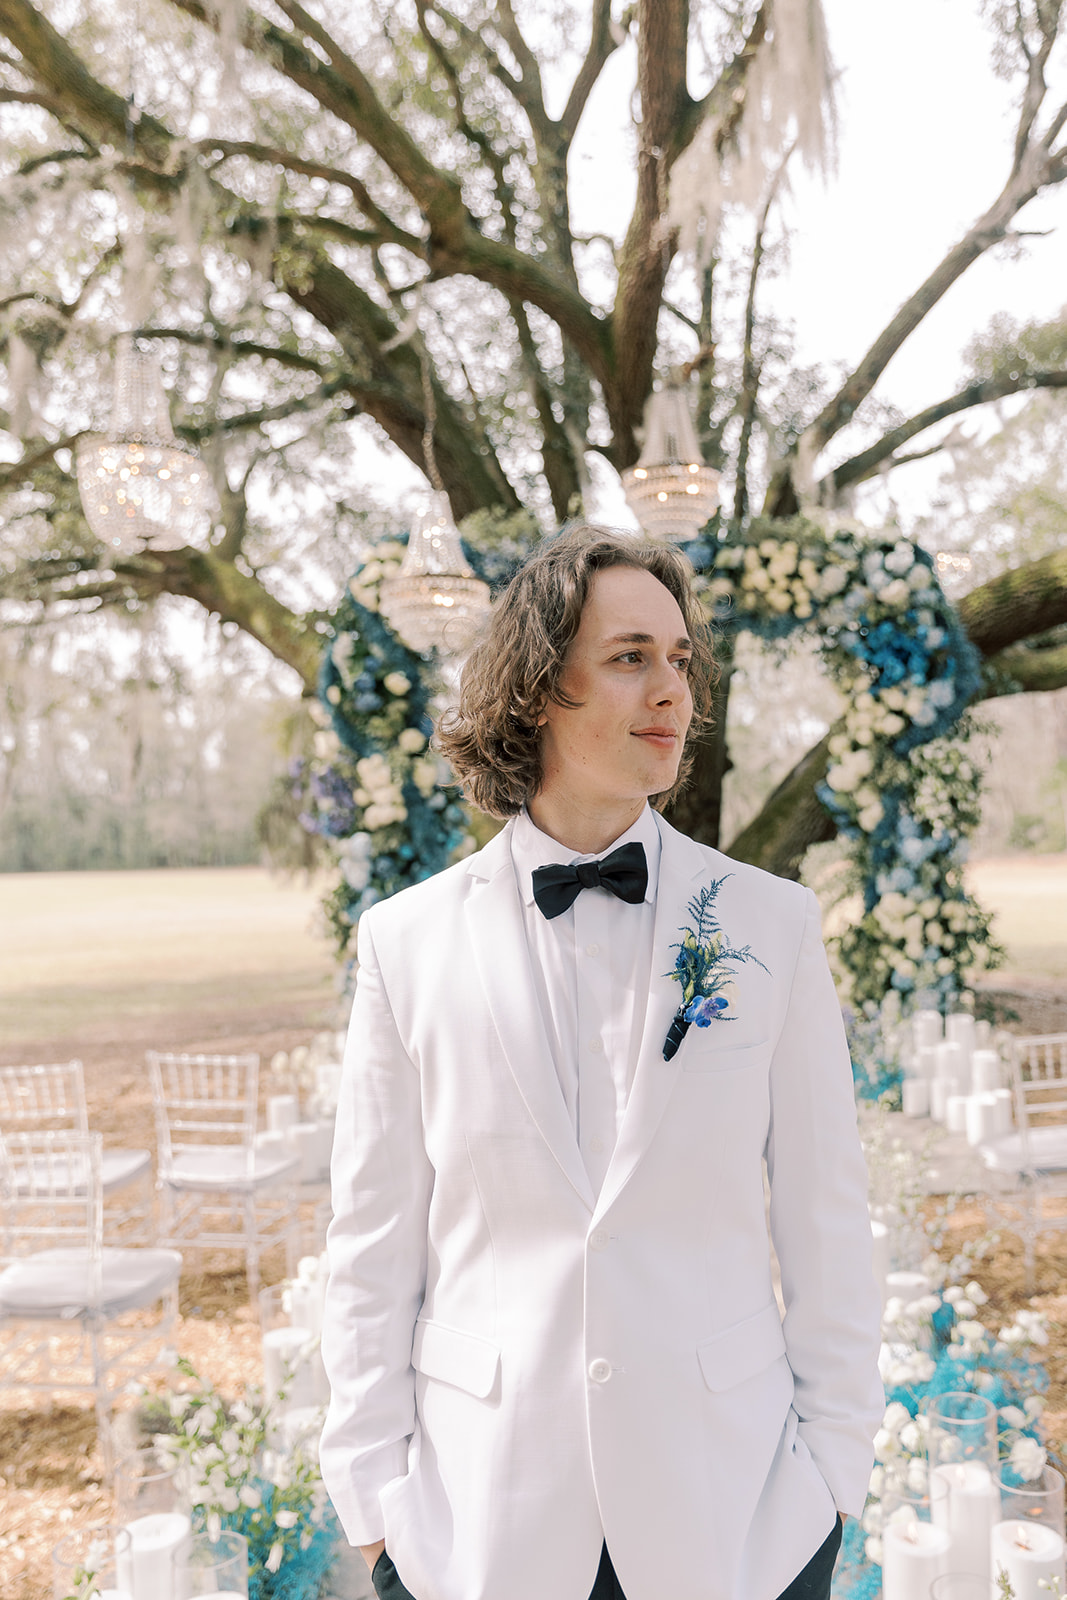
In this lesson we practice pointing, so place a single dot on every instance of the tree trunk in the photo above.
(698, 810)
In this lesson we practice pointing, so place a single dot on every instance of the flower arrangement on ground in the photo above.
(241, 1477)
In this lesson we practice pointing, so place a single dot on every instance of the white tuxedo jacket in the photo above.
(520, 1368)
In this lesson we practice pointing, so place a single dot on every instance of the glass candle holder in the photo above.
(293, 1374)
(216, 1566)
(961, 1427)
(916, 1542)
(152, 1495)
(1039, 1499)
(90, 1564)
(963, 1586)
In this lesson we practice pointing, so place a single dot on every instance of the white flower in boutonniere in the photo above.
(705, 957)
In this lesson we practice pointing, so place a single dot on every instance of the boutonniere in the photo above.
(703, 968)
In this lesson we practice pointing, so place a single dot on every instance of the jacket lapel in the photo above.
(682, 865)
(498, 938)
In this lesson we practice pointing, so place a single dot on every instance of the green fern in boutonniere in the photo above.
(705, 957)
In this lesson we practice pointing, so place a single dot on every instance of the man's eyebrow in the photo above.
(645, 638)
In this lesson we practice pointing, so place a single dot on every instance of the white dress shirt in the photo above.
(591, 967)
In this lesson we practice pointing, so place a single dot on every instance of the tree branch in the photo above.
(858, 468)
(1040, 170)
(604, 40)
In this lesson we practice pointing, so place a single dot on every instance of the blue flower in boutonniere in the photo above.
(703, 968)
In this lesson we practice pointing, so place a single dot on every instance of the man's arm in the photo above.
(377, 1245)
(821, 1230)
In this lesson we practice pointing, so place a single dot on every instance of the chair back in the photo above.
(43, 1098)
(1039, 1082)
(202, 1101)
(51, 1198)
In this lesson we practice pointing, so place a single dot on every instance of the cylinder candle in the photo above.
(1031, 1555)
(985, 1070)
(959, 1028)
(939, 1088)
(287, 1365)
(926, 1027)
(915, 1097)
(1005, 1121)
(952, 1063)
(981, 1118)
(283, 1112)
(148, 1569)
(914, 1553)
(956, 1113)
(969, 1512)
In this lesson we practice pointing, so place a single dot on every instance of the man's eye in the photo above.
(629, 655)
(684, 665)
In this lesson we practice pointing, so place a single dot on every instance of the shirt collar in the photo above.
(530, 848)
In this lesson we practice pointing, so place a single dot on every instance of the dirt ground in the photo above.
(51, 1477)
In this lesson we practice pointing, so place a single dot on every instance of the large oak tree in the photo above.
(337, 218)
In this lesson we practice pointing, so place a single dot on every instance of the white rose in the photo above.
(411, 741)
(1027, 1459)
(1014, 1416)
(896, 1416)
(396, 683)
(911, 1438)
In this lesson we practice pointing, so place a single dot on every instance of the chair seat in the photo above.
(1046, 1155)
(55, 1283)
(120, 1167)
(69, 1175)
(222, 1167)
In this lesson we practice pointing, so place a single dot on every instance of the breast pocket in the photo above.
(704, 1054)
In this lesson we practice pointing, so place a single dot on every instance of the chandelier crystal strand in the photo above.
(670, 491)
(139, 487)
(435, 602)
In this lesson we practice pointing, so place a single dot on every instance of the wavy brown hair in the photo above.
(492, 737)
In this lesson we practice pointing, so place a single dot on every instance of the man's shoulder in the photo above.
(764, 889)
(420, 904)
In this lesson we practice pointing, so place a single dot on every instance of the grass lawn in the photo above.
(79, 951)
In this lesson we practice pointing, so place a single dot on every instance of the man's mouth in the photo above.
(662, 738)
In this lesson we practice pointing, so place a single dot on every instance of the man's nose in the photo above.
(668, 685)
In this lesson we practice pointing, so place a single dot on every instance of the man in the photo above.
(558, 1368)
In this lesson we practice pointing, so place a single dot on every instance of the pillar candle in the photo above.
(969, 1512)
(1031, 1555)
(1005, 1122)
(147, 1569)
(981, 1118)
(959, 1027)
(926, 1062)
(985, 1071)
(913, 1554)
(926, 1028)
(915, 1097)
(939, 1088)
(952, 1063)
(880, 1235)
(956, 1112)
(983, 1033)
(286, 1366)
(282, 1112)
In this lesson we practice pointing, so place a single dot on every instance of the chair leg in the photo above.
(252, 1251)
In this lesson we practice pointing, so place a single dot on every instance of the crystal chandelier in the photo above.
(139, 487)
(670, 491)
(435, 602)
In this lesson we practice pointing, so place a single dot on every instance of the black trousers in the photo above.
(811, 1584)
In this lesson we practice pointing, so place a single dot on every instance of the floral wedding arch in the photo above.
(901, 785)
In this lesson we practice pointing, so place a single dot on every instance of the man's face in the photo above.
(627, 667)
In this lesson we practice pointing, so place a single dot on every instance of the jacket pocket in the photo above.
(743, 1350)
(707, 1055)
(451, 1355)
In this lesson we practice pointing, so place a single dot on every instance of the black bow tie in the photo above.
(623, 873)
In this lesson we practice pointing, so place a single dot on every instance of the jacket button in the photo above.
(598, 1240)
(600, 1370)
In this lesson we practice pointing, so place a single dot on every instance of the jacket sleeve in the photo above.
(381, 1180)
(821, 1229)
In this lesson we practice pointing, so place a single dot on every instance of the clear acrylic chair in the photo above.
(72, 1309)
(50, 1099)
(1029, 1166)
(217, 1189)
